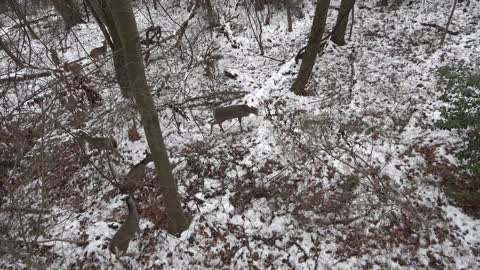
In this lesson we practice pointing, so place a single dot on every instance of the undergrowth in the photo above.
(460, 89)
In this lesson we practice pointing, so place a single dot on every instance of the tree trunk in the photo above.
(448, 22)
(288, 5)
(338, 34)
(103, 15)
(259, 5)
(313, 45)
(10, 54)
(256, 25)
(127, 28)
(70, 12)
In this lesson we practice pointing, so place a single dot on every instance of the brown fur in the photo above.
(100, 51)
(221, 114)
(135, 175)
(74, 68)
(99, 143)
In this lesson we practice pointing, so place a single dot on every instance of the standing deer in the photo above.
(99, 51)
(99, 143)
(221, 114)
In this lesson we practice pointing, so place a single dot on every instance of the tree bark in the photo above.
(454, 6)
(127, 29)
(313, 45)
(288, 5)
(70, 12)
(103, 15)
(259, 5)
(338, 34)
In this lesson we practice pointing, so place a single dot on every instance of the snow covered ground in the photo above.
(349, 178)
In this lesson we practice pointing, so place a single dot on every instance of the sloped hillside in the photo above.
(352, 177)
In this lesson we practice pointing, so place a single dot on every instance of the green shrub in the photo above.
(460, 88)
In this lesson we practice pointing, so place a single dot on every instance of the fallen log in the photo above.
(24, 77)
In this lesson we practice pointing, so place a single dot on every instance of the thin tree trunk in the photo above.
(288, 5)
(70, 12)
(259, 5)
(256, 25)
(338, 35)
(448, 22)
(351, 24)
(10, 54)
(313, 45)
(127, 28)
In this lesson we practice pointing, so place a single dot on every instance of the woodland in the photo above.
(240, 134)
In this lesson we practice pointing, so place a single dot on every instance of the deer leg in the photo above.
(220, 124)
(240, 121)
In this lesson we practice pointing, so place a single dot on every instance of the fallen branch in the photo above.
(70, 241)
(24, 210)
(220, 95)
(25, 77)
(274, 59)
(441, 28)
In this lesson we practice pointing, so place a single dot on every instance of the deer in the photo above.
(121, 239)
(221, 114)
(99, 143)
(74, 68)
(135, 175)
(99, 51)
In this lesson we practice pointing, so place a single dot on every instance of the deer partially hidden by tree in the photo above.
(100, 51)
(135, 175)
(221, 114)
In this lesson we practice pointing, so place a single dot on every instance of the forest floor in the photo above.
(352, 177)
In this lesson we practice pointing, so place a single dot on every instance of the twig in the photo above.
(441, 28)
(274, 59)
(71, 241)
